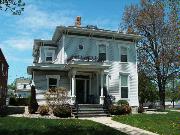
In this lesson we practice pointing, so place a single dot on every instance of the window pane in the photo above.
(123, 58)
(102, 56)
(52, 82)
(124, 92)
(48, 58)
(124, 80)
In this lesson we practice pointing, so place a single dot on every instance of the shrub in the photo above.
(120, 110)
(140, 109)
(33, 105)
(43, 110)
(115, 110)
(122, 102)
(56, 96)
(13, 101)
(62, 111)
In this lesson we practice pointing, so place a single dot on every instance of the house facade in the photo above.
(89, 62)
(23, 88)
(3, 79)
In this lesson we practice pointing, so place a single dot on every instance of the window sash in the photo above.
(52, 83)
(124, 54)
(124, 92)
(49, 55)
(124, 80)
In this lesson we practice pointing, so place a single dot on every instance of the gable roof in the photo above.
(2, 58)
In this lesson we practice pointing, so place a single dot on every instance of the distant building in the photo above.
(23, 87)
(3, 79)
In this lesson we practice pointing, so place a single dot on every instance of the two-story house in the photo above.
(23, 88)
(3, 79)
(88, 62)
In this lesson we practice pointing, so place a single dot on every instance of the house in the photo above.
(3, 79)
(23, 88)
(89, 62)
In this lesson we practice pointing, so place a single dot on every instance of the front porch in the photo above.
(86, 85)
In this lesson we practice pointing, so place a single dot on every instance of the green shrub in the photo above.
(33, 105)
(120, 110)
(140, 109)
(62, 111)
(43, 110)
(18, 101)
(13, 101)
(122, 102)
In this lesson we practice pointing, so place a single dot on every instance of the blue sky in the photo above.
(39, 20)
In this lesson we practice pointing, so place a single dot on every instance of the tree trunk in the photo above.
(173, 103)
(162, 94)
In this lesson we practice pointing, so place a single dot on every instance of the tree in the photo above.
(11, 86)
(14, 6)
(157, 22)
(147, 89)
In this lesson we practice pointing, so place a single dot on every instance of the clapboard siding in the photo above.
(69, 46)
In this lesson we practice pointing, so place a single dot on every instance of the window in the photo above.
(52, 83)
(123, 54)
(102, 52)
(81, 47)
(24, 86)
(49, 56)
(124, 86)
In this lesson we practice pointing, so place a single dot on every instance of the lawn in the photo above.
(27, 126)
(164, 124)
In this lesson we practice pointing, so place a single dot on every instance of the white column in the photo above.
(73, 82)
(97, 87)
(102, 94)
(90, 92)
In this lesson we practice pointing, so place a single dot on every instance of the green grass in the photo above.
(27, 126)
(164, 124)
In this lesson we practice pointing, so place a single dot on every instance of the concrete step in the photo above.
(91, 115)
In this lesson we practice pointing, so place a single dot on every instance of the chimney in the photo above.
(78, 21)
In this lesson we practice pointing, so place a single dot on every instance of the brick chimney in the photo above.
(78, 21)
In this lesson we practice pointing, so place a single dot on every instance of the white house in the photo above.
(85, 60)
(23, 88)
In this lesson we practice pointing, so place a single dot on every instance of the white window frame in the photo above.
(54, 77)
(53, 55)
(98, 43)
(128, 77)
(123, 46)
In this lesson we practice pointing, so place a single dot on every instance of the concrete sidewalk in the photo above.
(119, 126)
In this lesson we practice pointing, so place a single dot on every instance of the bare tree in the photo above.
(157, 22)
(14, 6)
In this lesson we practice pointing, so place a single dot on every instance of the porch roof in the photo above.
(66, 67)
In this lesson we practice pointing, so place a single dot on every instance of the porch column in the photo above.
(102, 94)
(73, 82)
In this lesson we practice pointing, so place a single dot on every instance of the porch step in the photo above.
(90, 110)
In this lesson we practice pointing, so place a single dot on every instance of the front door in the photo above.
(80, 91)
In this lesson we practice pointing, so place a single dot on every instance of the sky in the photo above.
(39, 20)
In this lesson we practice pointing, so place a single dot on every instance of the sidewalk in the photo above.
(119, 126)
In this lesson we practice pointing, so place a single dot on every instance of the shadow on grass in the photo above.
(24, 126)
(12, 110)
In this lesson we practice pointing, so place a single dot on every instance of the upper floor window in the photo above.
(49, 55)
(124, 54)
(124, 86)
(102, 52)
(24, 86)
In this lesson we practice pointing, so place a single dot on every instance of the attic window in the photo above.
(81, 47)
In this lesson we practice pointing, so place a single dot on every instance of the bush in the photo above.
(122, 102)
(62, 111)
(43, 110)
(140, 109)
(13, 101)
(33, 105)
(120, 110)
